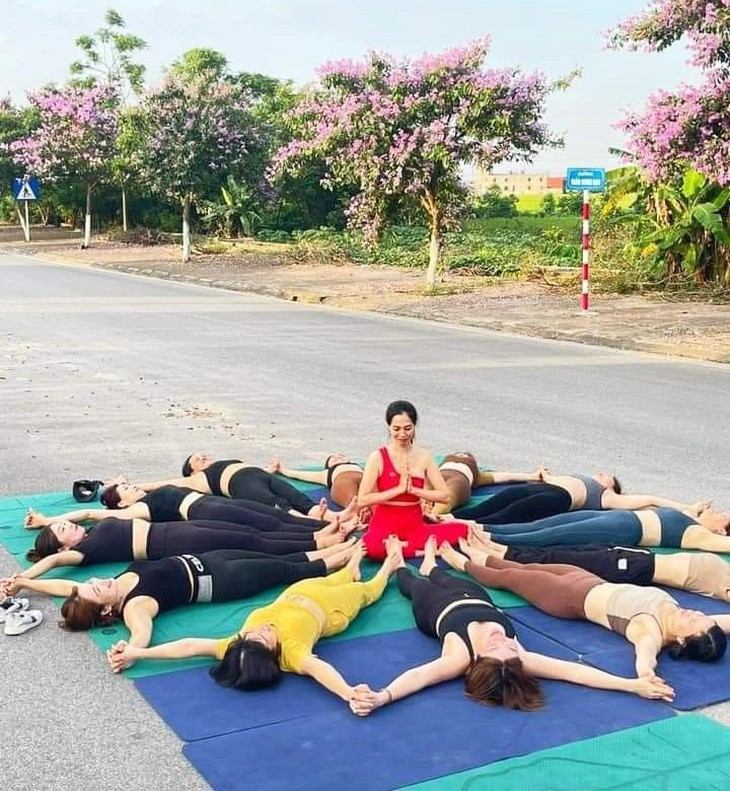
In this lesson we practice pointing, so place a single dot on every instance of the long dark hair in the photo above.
(80, 615)
(248, 665)
(187, 470)
(495, 683)
(46, 544)
(706, 647)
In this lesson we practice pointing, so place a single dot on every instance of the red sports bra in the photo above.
(389, 478)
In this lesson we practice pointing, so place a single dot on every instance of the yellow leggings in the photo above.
(339, 596)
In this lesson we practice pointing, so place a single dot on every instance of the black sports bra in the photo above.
(458, 619)
(215, 471)
(164, 503)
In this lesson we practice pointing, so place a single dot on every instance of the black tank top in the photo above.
(167, 581)
(164, 503)
(459, 618)
(214, 472)
(109, 542)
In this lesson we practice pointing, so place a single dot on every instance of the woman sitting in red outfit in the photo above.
(396, 480)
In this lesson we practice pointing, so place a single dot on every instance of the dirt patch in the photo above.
(688, 329)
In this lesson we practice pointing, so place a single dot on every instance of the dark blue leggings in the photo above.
(519, 503)
(576, 527)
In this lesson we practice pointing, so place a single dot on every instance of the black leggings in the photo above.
(519, 503)
(205, 536)
(430, 595)
(613, 564)
(253, 483)
(238, 575)
(270, 520)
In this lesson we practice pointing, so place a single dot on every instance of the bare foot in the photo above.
(349, 526)
(349, 511)
(358, 551)
(429, 557)
(494, 548)
(333, 549)
(343, 556)
(477, 556)
(451, 556)
(394, 557)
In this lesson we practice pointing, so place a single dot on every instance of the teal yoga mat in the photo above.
(390, 614)
(677, 754)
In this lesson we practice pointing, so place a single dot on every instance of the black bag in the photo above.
(84, 491)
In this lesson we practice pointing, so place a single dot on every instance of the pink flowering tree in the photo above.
(75, 140)
(403, 130)
(187, 136)
(681, 140)
(688, 126)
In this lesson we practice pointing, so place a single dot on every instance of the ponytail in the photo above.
(46, 544)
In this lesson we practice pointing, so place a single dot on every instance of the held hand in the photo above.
(115, 480)
(120, 656)
(542, 473)
(695, 509)
(363, 700)
(273, 466)
(34, 520)
(652, 687)
(9, 586)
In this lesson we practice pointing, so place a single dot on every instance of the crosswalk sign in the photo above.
(26, 188)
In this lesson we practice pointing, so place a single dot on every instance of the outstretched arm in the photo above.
(35, 519)
(644, 634)
(16, 583)
(328, 676)
(635, 502)
(445, 668)
(576, 673)
(197, 482)
(69, 557)
(122, 654)
(310, 476)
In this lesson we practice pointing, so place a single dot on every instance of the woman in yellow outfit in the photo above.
(281, 636)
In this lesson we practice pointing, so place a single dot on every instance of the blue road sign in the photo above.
(591, 179)
(26, 188)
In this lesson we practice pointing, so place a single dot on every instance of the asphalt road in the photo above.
(104, 373)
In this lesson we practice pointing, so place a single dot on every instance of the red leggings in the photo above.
(406, 522)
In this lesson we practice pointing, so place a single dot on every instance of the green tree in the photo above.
(403, 130)
(495, 203)
(548, 204)
(108, 59)
(189, 135)
(198, 62)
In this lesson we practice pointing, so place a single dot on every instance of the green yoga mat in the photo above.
(677, 754)
(390, 614)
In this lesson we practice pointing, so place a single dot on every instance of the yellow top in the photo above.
(308, 610)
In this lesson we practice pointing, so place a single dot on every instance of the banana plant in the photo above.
(690, 233)
(233, 213)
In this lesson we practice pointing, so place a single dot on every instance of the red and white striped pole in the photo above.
(585, 290)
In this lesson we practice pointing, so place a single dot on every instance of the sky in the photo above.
(288, 39)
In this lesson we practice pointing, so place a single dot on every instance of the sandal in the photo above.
(11, 604)
(23, 621)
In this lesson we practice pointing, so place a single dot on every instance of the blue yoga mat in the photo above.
(197, 708)
(301, 738)
(586, 638)
(695, 684)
